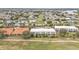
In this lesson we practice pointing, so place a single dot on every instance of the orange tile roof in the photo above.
(20, 30)
(16, 31)
(7, 31)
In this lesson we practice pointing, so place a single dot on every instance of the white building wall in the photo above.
(43, 30)
(68, 28)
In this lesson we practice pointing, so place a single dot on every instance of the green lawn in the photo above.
(54, 39)
(20, 45)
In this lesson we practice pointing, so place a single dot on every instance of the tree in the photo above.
(26, 35)
(1, 23)
(49, 23)
(15, 17)
(63, 32)
(77, 34)
(74, 35)
(78, 12)
(2, 36)
(40, 20)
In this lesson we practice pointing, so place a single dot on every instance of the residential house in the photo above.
(40, 31)
(19, 31)
(67, 28)
(14, 31)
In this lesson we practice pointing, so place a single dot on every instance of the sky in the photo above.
(39, 3)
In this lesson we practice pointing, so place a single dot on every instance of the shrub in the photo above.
(63, 32)
(26, 35)
(2, 36)
(77, 34)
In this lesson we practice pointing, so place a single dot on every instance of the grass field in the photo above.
(27, 45)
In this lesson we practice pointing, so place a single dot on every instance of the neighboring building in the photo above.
(6, 31)
(21, 23)
(32, 21)
(19, 31)
(40, 31)
(14, 31)
(68, 28)
(16, 23)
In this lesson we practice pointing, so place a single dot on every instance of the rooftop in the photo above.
(16, 30)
